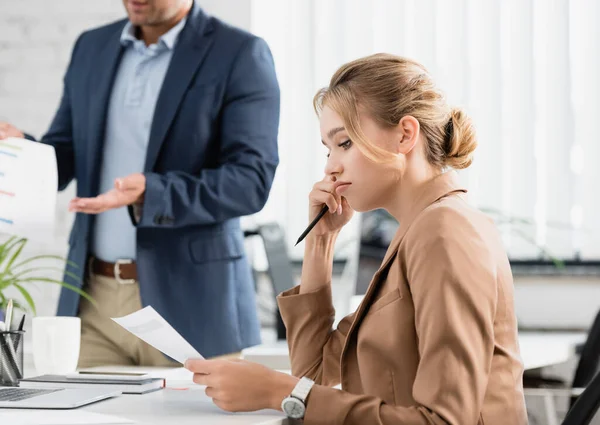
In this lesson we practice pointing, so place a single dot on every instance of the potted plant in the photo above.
(18, 272)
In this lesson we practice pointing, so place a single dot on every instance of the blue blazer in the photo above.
(211, 158)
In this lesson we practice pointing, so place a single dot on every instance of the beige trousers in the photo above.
(103, 342)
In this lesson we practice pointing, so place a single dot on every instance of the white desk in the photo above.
(538, 349)
(541, 349)
(191, 406)
(180, 407)
(173, 406)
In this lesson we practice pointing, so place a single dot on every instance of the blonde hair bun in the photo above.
(461, 140)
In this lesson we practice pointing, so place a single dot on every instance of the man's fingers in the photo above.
(89, 210)
(8, 130)
(90, 205)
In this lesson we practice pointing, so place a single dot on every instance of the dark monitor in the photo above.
(377, 229)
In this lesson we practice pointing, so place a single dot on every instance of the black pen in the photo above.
(313, 223)
(21, 323)
(19, 336)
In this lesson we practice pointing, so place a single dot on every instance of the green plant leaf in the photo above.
(10, 244)
(4, 246)
(15, 254)
(4, 303)
(7, 244)
(63, 284)
(16, 272)
(19, 306)
(46, 257)
(27, 297)
(6, 249)
(23, 273)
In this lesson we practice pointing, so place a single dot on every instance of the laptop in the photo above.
(55, 398)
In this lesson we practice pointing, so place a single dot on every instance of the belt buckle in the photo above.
(117, 272)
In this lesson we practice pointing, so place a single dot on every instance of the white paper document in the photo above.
(57, 417)
(28, 187)
(152, 328)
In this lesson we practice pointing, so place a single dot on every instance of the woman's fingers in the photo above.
(329, 188)
(318, 197)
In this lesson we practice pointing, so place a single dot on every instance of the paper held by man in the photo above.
(28, 189)
(152, 328)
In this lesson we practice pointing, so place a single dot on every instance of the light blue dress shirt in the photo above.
(129, 119)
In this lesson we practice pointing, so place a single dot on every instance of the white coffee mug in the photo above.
(56, 342)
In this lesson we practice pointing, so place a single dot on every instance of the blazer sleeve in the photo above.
(452, 278)
(247, 156)
(315, 348)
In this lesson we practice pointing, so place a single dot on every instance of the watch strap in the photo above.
(302, 389)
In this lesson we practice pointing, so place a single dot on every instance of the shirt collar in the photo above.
(169, 39)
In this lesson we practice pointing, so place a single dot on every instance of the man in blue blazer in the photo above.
(168, 122)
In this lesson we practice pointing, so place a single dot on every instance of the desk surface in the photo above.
(180, 407)
(181, 403)
(191, 406)
(541, 349)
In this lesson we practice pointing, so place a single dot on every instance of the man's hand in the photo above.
(241, 386)
(8, 130)
(128, 190)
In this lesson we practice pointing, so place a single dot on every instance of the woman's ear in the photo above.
(408, 130)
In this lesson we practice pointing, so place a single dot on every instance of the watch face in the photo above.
(293, 408)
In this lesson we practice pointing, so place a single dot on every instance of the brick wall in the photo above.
(36, 38)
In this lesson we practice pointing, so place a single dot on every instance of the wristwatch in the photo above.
(294, 405)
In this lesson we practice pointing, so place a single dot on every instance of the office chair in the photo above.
(589, 360)
(584, 409)
(280, 270)
(587, 367)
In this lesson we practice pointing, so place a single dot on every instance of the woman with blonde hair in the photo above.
(434, 340)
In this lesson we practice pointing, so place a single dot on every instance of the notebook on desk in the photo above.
(124, 386)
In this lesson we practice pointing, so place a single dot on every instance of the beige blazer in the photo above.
(434, 340)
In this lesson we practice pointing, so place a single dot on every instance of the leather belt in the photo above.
(123, 271)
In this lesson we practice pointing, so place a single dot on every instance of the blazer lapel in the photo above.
(438, 188)
(101, 87)
(190, 51)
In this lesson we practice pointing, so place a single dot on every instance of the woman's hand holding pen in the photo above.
(317, 266)
(340, 213)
